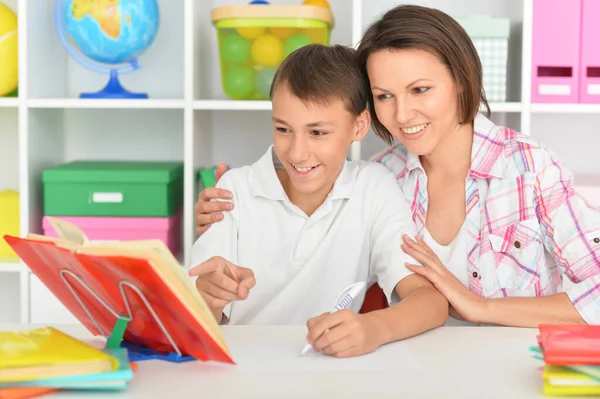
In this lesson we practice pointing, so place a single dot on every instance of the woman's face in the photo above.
(415, 97)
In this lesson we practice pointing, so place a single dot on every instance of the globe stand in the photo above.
(114, 89)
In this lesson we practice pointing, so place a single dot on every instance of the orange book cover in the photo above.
(103, 268)
(23, 393)
(570, 344)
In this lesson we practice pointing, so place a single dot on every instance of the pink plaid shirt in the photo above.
(526, 225)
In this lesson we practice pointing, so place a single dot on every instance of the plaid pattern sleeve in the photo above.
(571, 230)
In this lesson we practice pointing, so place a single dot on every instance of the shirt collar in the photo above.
(264, 182)
(487, 152)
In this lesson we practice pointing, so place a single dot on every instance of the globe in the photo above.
(108, 36)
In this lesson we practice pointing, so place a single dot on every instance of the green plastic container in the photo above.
(253, 40)
(108, 188)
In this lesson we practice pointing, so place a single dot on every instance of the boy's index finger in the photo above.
(209, 266)
(203, 268)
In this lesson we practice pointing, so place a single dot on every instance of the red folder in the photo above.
(570, 344)
(98, 283)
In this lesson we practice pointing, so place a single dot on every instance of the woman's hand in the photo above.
(465, 304)
(207, 212)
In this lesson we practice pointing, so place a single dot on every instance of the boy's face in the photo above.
(312, 140)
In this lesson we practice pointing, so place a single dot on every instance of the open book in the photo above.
(139, 279)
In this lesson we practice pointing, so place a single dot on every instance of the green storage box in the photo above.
(109, 188)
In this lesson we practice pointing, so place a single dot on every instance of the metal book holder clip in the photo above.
(115, 339)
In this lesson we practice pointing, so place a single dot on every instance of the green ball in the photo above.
(235, 49)
(294, 42)
(238, 83)
(263, 81)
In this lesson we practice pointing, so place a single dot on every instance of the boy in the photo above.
(306, 223)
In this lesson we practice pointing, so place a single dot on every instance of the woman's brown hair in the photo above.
(429, 29)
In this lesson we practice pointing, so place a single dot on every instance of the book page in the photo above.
(68, 231)
(59, 242)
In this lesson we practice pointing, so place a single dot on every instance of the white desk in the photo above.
(450, 362)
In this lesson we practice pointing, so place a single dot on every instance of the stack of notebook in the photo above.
(44, 360)
(571, 355)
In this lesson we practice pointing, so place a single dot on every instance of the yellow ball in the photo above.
(317, 3)
(9, 51)
(318, 35)
(282, 33)
(267, 50)
(251, 32)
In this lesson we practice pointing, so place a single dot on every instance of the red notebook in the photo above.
(570, 344)
(140, 278)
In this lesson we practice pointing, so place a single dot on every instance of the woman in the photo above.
(499, 223)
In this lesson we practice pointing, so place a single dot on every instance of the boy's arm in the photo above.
(415, 304)
(220, 241)
(422, 308)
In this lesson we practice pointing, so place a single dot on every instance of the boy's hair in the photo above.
(319, 73)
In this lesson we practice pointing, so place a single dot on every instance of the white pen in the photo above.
(343, 301)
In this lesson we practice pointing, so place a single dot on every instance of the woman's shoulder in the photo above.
(394, 158)
(521, 152)
(527, 154)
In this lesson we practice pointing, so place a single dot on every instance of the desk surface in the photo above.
(450, 362)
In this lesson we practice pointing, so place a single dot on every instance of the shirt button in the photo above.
(517, 244)
(597, 240)
(475, 274)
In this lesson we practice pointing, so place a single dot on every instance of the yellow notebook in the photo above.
(561, 381)
(566, 390)
(48, 353)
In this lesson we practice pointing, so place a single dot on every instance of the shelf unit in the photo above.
(188, 118)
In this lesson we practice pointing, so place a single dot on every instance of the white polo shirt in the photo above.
(301, 264)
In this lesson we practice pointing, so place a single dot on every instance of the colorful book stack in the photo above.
(44, 360)
(117, 201)
(571, 354)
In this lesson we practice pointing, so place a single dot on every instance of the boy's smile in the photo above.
(305, 171)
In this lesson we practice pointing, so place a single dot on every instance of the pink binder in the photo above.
(590, 52)
(556, 49)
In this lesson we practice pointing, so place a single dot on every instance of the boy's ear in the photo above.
(363, 122)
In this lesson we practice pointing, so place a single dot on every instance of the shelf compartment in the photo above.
(207, 71)
(52, 73)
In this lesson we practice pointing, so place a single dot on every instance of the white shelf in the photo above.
(9, 102)
(547, 108)
(507, 107)
(230, 105)
(76, 103)
(188, 118)
(13, 267)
